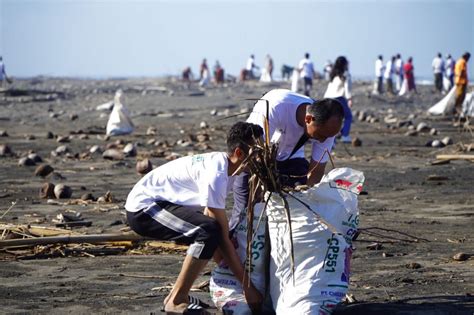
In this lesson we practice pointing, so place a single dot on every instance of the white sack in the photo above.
(322, 253)
(446, 84)
(468, 105)
(206, 78)
(446, 105)
(295, 77)
(119, 122)
(404, 88)
(265, 77)
(226, 291)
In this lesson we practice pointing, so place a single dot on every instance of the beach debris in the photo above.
(361, 116)
(423, 127)
(411, 133)
(47, 191)
(35, 157)
(88, 196)
(213, 112)
(203, 125)
(144, 166)
(112, 154)
(461, 257)
(356, 142)
(374, 246)
(151, 131)
(73, 117)
(3, 133)
(437, 144)
(95, 149)
(437, 177)
(63, 139)
(120, 121)
(413, 265)
(433, 131)
(390, 119)
(62, 191)
(62, 149)
(30, 137)
(107, 198)
(5, 150)
(439, 162)
(44, 170)
(130, 150)
(70, 219)
(447, 141)
(468, 157)
(49, 135)
(26, 161)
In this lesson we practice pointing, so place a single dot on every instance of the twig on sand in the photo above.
(411, 238)
(8, 210)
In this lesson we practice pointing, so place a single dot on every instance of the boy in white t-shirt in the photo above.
(184, 200)
(294, 120)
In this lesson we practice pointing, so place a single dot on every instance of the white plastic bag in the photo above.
(226, 291)
(446, 105)
(322, 251)
(468, 105)
(119, 122)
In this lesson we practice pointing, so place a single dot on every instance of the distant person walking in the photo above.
(379, 70)
(306, 69)
(218, 73)
(438, 70)
(409, 71)
(269, 66)
(339, 87)
(3, 73)
(203, 68)
(399, 72)
(250, 66)
(388, 75)
(449, 70)
(461, 80)
(187, 74)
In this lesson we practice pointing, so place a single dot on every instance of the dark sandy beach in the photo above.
(411, 272)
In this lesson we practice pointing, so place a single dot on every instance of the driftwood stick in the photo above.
(469, 157)
(93, 238)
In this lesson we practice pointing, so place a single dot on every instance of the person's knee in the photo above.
(207, 240)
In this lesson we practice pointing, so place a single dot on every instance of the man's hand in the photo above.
(254, 298)
(349, 102)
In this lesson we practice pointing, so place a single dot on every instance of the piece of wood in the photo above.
(64, 239)
(469, 157)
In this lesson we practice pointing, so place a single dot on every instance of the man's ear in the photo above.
(239, 153)
(308, 119)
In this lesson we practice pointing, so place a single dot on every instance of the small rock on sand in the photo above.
(35, 157)
(437, 144)
(112, 154)
(144, 166)
(87, 196)
(44, 170)
(461, 257)
(47, 191)
(356, 142)
(5, 150)
(25, 161)
(422, 127)
(62, 191)
(3, 133)
(130, 150)
(447, 141)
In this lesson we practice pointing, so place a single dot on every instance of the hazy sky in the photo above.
(95, 38)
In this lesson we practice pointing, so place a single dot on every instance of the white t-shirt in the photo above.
(449, 66)
(438, 65)
(250, 64)
(284, 129)
(307, 68)
(339, 88)
(399, 66)
(379, 68)
(195, 181)
(388, 70)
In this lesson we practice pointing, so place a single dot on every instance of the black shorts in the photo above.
(170, 222)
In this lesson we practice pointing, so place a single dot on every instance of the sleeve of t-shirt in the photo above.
(213, 193)
(319, 149)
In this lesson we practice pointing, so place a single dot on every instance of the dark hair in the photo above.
(306, 55)
(399, 56)
(324, 109)
(380, 57)
(394, 58)
(340, 66)
(410, 59)
(466, 55)
(242, 135)
(439, 55)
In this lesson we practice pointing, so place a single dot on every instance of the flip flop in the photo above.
(191, 309)
(192, 301)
